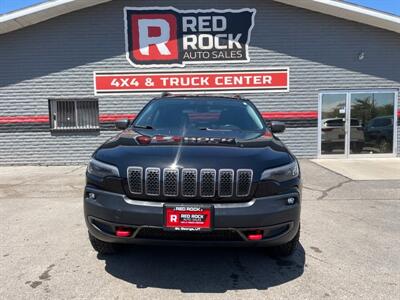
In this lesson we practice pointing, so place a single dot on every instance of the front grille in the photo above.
(135, 177)
(225, 183)
(171, 182)
(207, 182)
(216, 235)
(153, 181)
(244, 178)
(190, 183)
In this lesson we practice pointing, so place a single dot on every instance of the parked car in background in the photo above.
(379, 133)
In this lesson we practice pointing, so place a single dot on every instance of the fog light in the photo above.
(255, 235)
(291, 201)
(123, 231)
(92, 196)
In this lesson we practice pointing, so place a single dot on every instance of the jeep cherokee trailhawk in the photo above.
(194, 170)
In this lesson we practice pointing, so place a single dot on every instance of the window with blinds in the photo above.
(74, 114)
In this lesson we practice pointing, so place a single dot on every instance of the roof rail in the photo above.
(166, 94)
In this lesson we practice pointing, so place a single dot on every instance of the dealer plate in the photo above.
(188, 217)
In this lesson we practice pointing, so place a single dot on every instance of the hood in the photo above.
(196, 149)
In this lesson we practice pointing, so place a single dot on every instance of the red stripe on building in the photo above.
(279, 115)
(115, 117)
(45, 118)
(290, 115)
(24, 119)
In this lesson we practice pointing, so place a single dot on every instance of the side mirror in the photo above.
(122, 124)
(277, 127)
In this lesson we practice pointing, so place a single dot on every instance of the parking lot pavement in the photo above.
(349, 247)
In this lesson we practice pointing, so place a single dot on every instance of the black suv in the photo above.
(194, 170)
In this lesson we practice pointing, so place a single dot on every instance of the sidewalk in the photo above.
(364, 169)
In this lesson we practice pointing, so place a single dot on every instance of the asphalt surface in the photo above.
(350, 247)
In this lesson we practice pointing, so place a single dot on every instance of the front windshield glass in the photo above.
(201, 114)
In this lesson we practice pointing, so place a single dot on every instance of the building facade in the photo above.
(339, 95)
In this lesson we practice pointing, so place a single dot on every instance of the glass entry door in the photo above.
(333, 124)
(357, 123)
(375, 115)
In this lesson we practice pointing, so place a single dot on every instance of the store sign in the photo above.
(226, 81)
(169, 36)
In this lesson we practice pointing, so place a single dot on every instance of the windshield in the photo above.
(201, 114)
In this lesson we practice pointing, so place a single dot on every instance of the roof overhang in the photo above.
(50, 9)
(344, 10)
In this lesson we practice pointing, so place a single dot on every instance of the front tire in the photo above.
(287, 249)
(101, 247)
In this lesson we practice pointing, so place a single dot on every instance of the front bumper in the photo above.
(278, 221)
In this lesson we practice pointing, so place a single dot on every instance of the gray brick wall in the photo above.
(56, 58)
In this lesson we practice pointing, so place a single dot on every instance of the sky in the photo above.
(390, 6)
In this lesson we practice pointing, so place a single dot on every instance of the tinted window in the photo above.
(221, 114)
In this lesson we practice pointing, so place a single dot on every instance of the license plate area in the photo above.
(188, 217)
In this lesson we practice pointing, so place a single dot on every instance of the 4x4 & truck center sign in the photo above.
(168, 37)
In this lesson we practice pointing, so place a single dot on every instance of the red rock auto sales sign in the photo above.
(166, 36)
(245, 80)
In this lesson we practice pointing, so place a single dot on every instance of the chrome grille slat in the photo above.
(225, 182)
(189, 182)
(152, 181)
(170, 182)
(208, 178)
(244, 178)
(135, 180)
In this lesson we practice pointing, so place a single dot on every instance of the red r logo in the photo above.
(173, 218)
(153, 38)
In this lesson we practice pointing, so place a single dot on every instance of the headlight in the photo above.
(283, 173)
(101, 169)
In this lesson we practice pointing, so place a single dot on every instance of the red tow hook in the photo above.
(123, 231)
(255, 236)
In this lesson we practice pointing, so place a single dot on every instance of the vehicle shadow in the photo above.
(203, 270)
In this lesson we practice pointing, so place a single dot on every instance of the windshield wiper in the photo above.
(143, 126)
(205, 128)
(213, 129)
